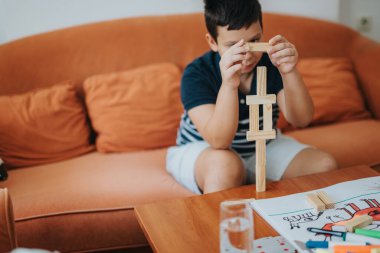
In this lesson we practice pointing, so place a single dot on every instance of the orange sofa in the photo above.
(85, 203)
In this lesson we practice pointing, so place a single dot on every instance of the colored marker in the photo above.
(354, 249)
(325, 244)
(366, 232)
(346, 236)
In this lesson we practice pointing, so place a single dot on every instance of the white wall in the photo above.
(352, 10)
(2, 21)
(321, 9)
(20, 18)
(347, 12)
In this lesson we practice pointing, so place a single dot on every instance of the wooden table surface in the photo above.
(192, 224)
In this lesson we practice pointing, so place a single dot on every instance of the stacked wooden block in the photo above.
(254, 133)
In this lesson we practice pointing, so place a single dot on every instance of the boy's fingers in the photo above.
(284, 52)
(279, 46)
(232, 70)
(276, 39)
(235, 51)
(232, 57)
(233, 54)
(239, 50)
(239, 44)
(285, 59)
(230, 60)
(237, 57)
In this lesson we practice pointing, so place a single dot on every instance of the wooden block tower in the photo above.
(254, 133)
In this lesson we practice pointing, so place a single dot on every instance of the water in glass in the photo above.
(236, 227)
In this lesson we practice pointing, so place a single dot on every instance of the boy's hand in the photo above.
(230, 64)
(283, 54)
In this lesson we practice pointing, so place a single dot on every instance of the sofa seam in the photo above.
(374, 164)
(10, 237)
(112, 248)
(72, 212)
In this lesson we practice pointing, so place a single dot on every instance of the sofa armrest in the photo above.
(7, 227)
(365, 55)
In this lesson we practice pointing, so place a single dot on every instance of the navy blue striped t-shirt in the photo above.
(200, 85)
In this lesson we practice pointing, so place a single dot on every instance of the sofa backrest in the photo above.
(78, 52)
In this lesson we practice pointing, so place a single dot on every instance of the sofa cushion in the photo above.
(42, 126)
(333, 87)
(351, 143)
(88, 201)
(136, 109)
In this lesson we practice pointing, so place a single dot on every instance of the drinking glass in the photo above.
(236, 227)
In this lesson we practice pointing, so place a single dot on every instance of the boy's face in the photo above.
(227, 38)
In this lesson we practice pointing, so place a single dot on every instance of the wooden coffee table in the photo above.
(192, 224)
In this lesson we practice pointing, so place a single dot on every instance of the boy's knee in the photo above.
(226, 169)
(310, 161)
(228, 164)
(328, 163)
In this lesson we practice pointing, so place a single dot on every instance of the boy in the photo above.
(212, 152)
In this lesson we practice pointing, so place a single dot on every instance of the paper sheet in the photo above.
(291, 215)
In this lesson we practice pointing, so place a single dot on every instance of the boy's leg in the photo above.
(217, 170)
(286, 157)
(310, 161)
(200, 168)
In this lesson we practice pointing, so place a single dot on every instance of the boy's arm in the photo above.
(294, 100)
(217, 123)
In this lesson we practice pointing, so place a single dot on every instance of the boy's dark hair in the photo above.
(235, 14)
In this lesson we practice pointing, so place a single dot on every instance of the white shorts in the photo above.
(180, 160)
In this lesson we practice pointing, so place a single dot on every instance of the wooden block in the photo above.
(261, 81)
(254, 118)
(377, 250)
(268, 123)
(322, 251)
(258, 46)
(260, 165)
(260, 100)
(358, 222)
(261, 135)
(325, 199)
(315, 202)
